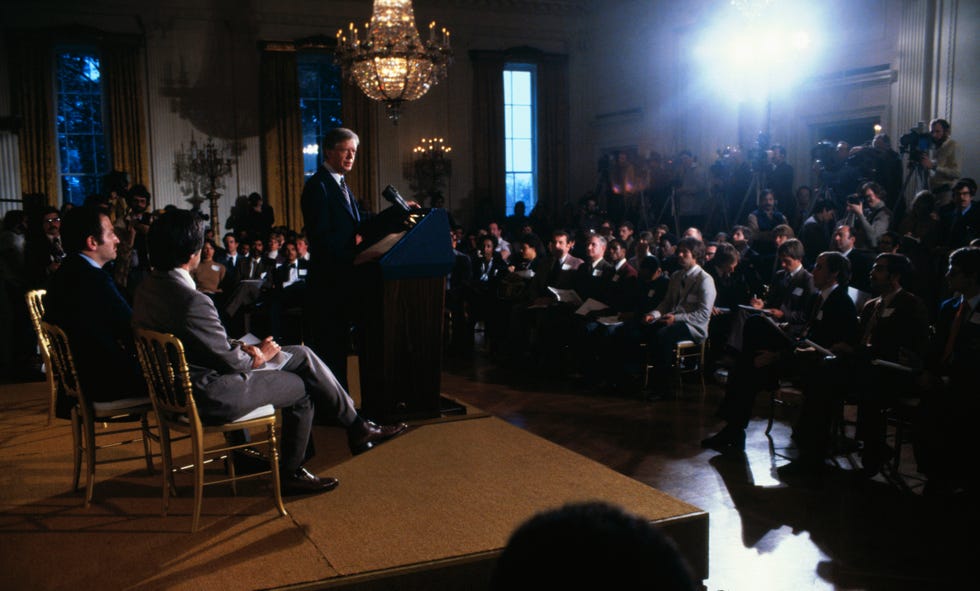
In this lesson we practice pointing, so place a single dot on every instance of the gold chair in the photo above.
(689, 357)
(35, 305)
(86, 413)
(165, 369)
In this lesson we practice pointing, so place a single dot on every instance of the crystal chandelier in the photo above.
(391, 63)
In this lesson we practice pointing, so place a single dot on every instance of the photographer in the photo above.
(869, 216)
(888, 166)
(941, 162)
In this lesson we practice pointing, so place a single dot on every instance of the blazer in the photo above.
(690, 299)
(903, 324)
(962, 367)
(86, 304)
(793, 294)
(833, 321)
(330, 224)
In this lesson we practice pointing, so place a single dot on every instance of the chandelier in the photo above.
(391, 63)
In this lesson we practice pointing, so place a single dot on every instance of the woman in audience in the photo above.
(210, 273)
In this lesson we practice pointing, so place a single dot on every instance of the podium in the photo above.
(401, 278)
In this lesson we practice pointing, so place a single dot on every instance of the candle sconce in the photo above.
(202, 168)
(429, 168)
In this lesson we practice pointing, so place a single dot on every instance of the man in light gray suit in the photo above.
(683, 315)
(223, 372)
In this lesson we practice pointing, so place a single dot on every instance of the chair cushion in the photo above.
(121, 404)
(262, 411)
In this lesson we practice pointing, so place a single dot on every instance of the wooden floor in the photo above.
(845, 534)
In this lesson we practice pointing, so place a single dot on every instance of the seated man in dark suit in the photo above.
(288, 289)
(768, 350)
(83, 300)
(945, 433)
(893, 327)
(226, 385)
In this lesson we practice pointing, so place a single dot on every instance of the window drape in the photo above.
(488, 126)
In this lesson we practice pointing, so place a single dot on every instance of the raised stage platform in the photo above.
(428, 510)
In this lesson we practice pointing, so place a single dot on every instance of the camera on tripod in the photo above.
(915, 143)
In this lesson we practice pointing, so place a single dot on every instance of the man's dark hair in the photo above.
(626, 224)
(838, 263)
(617, 243)
(746, 231)
(942, 122)
(725, 255)
(967, 259)
(140, 191)
(875, 188)
(823, 205)
(694, 245)
(784, 230)
(254, 198)
(649, 263)
(338, 135)
(115, 181)
(765, 193)
(589, 546)
(792, 248)
(894, 236)
(965, 182)
(78, 224)
(778, 148)
(898, 264)
(174, 238)
(645, 235)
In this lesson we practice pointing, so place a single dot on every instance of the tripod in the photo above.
(917, 172)
(755, 187)
(672, 205)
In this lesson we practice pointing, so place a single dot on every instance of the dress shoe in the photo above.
(728, 439)
(249, 460)
(366, 434)
(805, 473)
(304, 482)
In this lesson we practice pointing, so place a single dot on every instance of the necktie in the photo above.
(872, 322)
(954, 330)
(350, 200)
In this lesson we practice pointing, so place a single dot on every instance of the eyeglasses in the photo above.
(964, 192)
(51, 220)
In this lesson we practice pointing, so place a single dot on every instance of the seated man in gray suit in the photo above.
(226, 385)
(683, 315)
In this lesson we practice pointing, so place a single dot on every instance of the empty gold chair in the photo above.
(165, 368)
(85, 414)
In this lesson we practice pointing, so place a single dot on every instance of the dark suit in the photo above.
(861, 262)
(831, 322)
(221, 373)
(85, 303)
(331, 226)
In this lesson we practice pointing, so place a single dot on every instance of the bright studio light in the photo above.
(746, 56)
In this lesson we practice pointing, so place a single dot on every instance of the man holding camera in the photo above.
(941, 162)
(867, 215)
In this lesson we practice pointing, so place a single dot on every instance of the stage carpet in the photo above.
(428, 510)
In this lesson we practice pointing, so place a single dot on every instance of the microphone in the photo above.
(392, 196)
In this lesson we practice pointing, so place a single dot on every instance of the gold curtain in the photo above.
(32, 94)
(358, 113)
(282, 134)
(123, 92)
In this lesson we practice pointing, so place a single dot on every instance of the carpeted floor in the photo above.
(444, 491)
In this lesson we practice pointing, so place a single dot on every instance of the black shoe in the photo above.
(304, 482)
(249, 460)
(728, 439)
(366, 435)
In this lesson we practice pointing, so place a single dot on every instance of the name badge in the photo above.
(262, 275)
(615, 278)
(975, 319)
(887, 312)
(798, 291)
(597, 272)
(650, 294)
(820, 315)
(302, 272)
(692, 297)
(215, 268)
(566, 267)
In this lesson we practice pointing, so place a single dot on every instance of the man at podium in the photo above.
(332, 217)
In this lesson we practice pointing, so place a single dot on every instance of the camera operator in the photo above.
(869, 217)
(941, 162)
